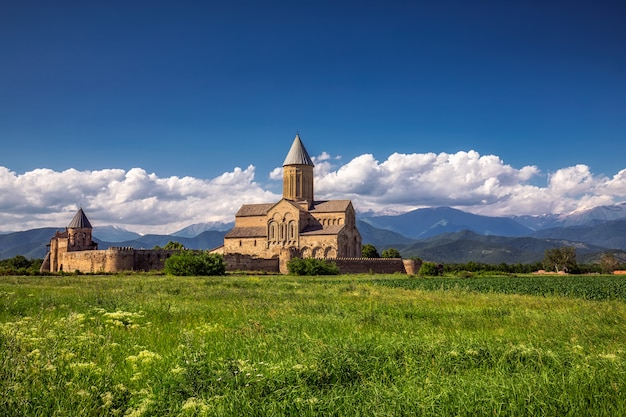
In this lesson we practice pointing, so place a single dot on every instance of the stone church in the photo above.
(298, 223)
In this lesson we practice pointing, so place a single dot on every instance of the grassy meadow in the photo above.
(366, 345)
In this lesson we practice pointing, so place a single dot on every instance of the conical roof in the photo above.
(80, 221)
(297, 154)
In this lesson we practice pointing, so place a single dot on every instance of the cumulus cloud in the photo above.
(132, 199)
(146, 203)
(482, 184)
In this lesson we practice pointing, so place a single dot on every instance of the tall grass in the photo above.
(344, 346)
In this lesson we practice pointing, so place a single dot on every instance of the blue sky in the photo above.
(199, 89)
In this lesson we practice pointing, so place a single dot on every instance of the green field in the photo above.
(142, 345)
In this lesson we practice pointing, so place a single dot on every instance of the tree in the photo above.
(195, 263)
(18, 262)
(369, 251)
(608, 263)
(19, 265)
(391, 253)
(560, 259)
(430, 269)
(171, 245)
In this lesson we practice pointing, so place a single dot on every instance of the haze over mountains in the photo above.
(440, 234)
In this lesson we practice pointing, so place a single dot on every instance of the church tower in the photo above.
(298, 174)
(76, 237)
(79, 233)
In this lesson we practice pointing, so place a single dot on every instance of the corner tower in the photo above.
(298, 174)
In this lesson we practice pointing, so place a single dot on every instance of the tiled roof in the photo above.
(297, 154)
(254, 209)
(80, 221)
(330, 206)
(241, 232)
(326, 230)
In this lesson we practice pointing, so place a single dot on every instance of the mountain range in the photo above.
(441, 234)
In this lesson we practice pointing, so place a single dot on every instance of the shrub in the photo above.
(391, 253)
(19, 265)
(311, 266)
(430, 269)
(194, 263)
(369, 251)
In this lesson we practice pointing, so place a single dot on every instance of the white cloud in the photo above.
(147, 203)
(481, 184)
(134, 199)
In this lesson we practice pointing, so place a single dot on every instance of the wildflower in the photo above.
(141, 409)
(107, 399)
(177, 370)
(608, 356)
(85, 368)
(193, 404)
(82, 393)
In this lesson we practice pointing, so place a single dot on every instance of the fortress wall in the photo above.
(376, 265)
(151, 260)
(119, 259)
(85, 261)
(115, 260)
(241, 262)
(129, 259)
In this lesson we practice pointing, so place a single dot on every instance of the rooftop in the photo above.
(80, 221)
(297, 154)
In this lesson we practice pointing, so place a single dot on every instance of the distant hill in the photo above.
(195, 229)
(591, 216)
(609, 234)
(381, 238)
(205, 240)
(114, 234)
(428, 222)
(31, 243)
(466, 246)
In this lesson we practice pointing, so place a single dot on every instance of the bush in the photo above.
(19, 265)
(430, 269)
(311, 266)
(194, 263)
(391, 253)
(369, 251)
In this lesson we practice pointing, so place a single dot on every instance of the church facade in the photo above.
(297, 223)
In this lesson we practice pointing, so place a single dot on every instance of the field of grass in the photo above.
(368, 345)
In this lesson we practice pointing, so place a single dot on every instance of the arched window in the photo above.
(272, 232)
(292, 230)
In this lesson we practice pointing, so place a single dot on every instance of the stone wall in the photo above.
(241, 262)
(128, 259)
(115, 260)
(376, 265)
